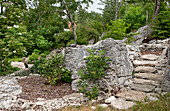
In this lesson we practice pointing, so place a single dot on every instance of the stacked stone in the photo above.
(166, 82)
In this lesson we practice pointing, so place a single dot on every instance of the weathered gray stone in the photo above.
(122, 104)
(150, 57)
(144, 63)
(144, 69)
(110, 99)
(144, 81)
(120, 66)
(166, 80)
(139, 87)
(150, 76)
(144, 33)
(132, 95)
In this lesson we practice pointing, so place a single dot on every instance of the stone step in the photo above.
(144, 69)
(150, 57)
(132, 95)
(149, 76)
(140, 87)
(144, 63)
(146, 82)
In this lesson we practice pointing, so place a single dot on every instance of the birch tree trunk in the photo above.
(72, 23)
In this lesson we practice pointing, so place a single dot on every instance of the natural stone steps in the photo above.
(140, 87)
(149, 76)
(149, 57)
(146, 82)
(145, 63)
(132, 95)
(144, 69)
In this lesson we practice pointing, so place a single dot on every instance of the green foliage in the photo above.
(6, 68)
(135, 15)
(96, 63)
(117, 30)
(33, 57)
(43, 44)
(25, 72)
(12, 31)
(161, 105)
(52, 69)
(162, 24)
(85, 31)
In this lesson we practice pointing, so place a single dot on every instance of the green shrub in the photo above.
(96, 63)
(135, 15)
(162, 24)
(6, 68)
(117, 30)
(52, 69)
(33, 57)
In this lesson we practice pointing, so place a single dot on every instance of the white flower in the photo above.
(20, 33)
(9, 27)
(16, 26)
(14, 51)
(3, 16)
(19, 16)
(66, 29)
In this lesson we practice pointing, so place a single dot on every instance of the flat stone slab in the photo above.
(150, 76)
(144, 69)
(144, 81)
(20, 65)
(144, 88)
(145, 63)
(122, 104)
(132, 95)
(150, 57)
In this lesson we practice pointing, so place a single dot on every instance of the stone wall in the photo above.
(119, 69)
(166, 81)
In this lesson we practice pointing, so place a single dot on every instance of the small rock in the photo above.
(40, 103)
(40, 99)
(122, 104)
(93, 101)
(103, 105)
(110, 99)
(93, 107)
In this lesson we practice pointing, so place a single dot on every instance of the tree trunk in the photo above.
(156, 8)
(147, 16)
(116, 14)
(72, 22)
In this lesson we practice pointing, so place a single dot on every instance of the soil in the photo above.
(36, 87)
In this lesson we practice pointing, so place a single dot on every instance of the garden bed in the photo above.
(36, 87)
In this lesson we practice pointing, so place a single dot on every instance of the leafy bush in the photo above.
(96, 63)
(162, 24)
(52, 69)
(6, 68)
(33, 57)
(117, 30)
(135, 16)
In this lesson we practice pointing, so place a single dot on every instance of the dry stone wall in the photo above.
(119, 69)
(166, 82)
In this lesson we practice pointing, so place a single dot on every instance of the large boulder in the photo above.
(143, 33)
(120, 68)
